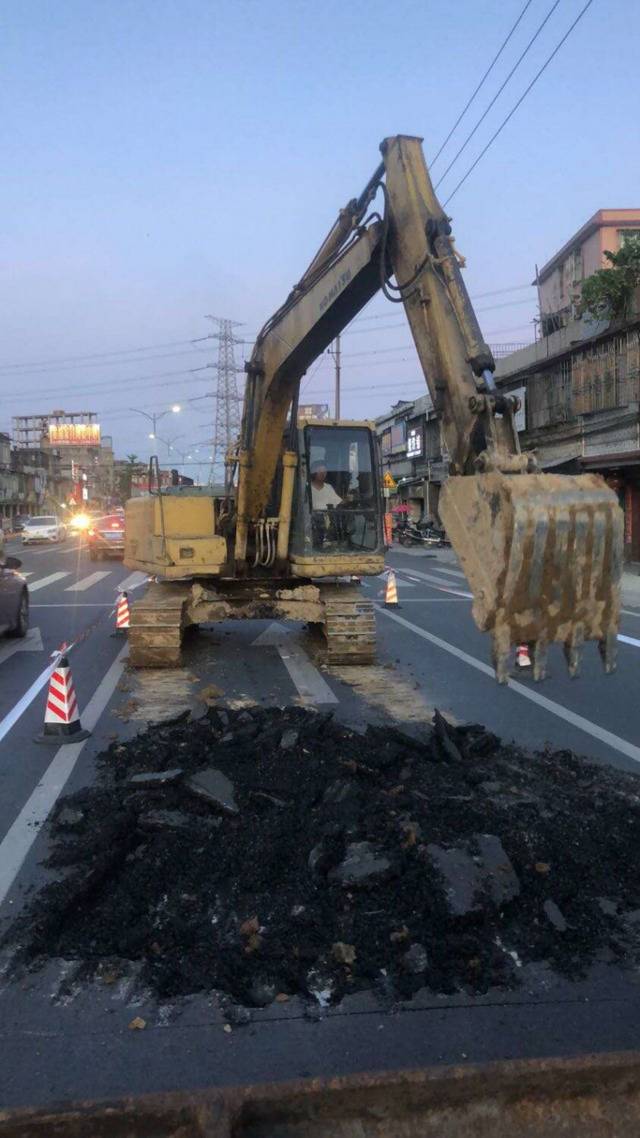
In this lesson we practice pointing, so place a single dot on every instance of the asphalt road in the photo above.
(63, 1039)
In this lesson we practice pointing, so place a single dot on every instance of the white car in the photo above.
(45, 528)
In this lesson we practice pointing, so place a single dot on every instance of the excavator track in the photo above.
(157, 624)
(349, 625)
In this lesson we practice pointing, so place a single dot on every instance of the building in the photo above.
(560, 280)
(580, 388)
(409, 436)
(314, 411)
(80, 463)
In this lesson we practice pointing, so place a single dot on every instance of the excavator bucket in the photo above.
(543, 557)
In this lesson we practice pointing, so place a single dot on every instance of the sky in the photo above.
(167, 160)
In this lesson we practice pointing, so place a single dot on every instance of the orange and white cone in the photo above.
(122, 613)
(391, 590)
(523, 659)
(62, 717)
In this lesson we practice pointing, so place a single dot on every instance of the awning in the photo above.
(623, 458)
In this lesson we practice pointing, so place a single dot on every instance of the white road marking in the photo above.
(54, 548)
(87, 582)
(593, 729)
(133, 581)
(306, 677)
(432, 600)
(630, 612)
(75, 605)
(438, 583)
(44, 581)
(22, 834)
(21, 706)
(32, 642)
(629, 640)
(449, 572)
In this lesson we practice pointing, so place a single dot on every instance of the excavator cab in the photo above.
(337, 506)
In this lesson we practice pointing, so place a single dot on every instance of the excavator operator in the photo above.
(322, 492)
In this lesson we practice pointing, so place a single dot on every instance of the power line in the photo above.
(481, 83)
(498, 92)
(98, 355)
(520, 100)
(101, 363)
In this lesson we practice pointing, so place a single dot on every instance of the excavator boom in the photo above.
(542, 553)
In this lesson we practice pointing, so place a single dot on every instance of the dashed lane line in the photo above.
(87, 582)
(22, 834)
(44, 581)
(623, 746)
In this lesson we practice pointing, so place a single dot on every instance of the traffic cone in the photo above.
(391, 591)
(61, 717)
(523, 659)
(122, 613)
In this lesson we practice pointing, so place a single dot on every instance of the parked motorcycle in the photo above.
(425, 534)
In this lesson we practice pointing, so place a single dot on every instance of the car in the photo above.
(45, 527)
(14, 596)
(105, 537)
(18, 523)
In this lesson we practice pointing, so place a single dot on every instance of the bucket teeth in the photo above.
(501, 652)
(543, 557)
(539, 657)
(608, 648)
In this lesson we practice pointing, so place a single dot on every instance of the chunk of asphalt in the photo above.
(498, 873)
(609, 908)
(288, 739)
(554, 915)
(443, 733)
(461, 877)
(68, 817)
(149, 778)
(163, 820)
(415, 959)
(215, 788)
(361, 861)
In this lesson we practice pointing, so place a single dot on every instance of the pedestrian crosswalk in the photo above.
(87, 582)
(84, 584)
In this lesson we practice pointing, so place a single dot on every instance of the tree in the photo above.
(608, 293)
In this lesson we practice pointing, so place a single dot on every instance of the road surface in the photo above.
(62, 1039)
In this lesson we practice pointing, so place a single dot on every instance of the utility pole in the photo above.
(226, 428)
(337, 360)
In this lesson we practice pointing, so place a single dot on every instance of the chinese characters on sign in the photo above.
(74, 434)
(415, 447)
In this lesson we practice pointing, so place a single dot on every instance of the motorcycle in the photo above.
(425, 534)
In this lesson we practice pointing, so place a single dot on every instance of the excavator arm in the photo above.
(542, 553)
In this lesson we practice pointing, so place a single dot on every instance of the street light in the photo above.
(155, 416)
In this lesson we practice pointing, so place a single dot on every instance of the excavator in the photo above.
(542, 553)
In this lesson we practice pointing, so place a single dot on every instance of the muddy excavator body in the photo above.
(542, 552)
(594, 1097)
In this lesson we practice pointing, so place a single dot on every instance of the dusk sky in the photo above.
(166, 160)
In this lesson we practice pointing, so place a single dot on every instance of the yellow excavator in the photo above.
(300, 517)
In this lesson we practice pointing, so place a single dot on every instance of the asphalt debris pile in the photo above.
(264, 853)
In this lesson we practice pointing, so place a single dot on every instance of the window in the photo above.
(398, 436)
(341, 489)
(625, 235)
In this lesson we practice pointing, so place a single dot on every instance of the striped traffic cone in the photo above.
(61, 717)
(122, 613)
(523, 659)
(391, 591)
